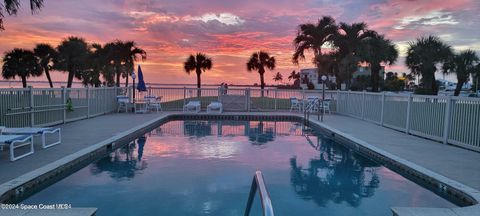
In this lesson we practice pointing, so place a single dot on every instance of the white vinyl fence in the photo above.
(454, 120)
(29, 107)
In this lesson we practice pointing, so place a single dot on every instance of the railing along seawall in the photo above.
(35, 107)
(452, 120)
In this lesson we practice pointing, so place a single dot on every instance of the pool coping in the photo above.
(16, 187)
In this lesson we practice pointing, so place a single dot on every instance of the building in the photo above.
(311, 75)
(366, 71)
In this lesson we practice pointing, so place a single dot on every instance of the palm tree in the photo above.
(313, 37)
(463, 65)
(198, 63)
(278, 77)
(122, 56)
(12, 6)
(376, 51)
(258, 61)
(72, 56)
(292, 75)
(46, 54)
(347, 40)
(22, 63)
(423, 56)
(96, 62)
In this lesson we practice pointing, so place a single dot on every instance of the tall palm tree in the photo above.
(463, 65)
(72, 56)
(198, 63)
(96, 62)
(347, 40)
(122, 56)
(313, 37)
(423, 56)
(12, 6)
(278, 77)
(22, 63)
(46, 54)
(258, 61)
(376, 51)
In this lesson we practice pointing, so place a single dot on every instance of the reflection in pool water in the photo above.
(205, 168)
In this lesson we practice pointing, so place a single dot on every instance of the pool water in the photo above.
(206, 168)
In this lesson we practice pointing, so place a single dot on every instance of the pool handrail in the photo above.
(259, 183)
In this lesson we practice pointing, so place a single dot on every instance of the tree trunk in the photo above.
(374, 76)
(47, 73)
(199, 83)
(117, 73)
(24, 81)
(262, 82)
(458, 88)
(70, 77)
(126, 80)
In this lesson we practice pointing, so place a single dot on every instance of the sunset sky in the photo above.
(229, 31)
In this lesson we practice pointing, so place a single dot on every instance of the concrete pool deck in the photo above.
(451, 162)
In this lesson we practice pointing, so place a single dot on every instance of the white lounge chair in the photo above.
(215, 106)
(37, 132)
(122, 101)
(192, 106)
(153, 102)
(14, 142)
(295, 104)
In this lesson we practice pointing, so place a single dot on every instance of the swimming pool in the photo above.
(206, 168)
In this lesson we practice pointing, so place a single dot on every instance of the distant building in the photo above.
(311, 75)
(366, 71)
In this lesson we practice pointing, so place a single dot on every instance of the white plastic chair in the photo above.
(215, 106)
(153, 102)
(192, 106)
(325, 106)
(122, 101)
(312, 104)
(295, 104)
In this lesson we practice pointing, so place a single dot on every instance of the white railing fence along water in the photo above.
(453, 120)
(29, 107)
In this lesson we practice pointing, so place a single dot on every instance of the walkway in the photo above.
(452, 162)
(75, 136)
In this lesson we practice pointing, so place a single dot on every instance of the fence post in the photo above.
(64, 103)
(347, 107)
(383, 108)
(184, 95)
(448, 114)
(275, 98)
(88, 103)
(247, 99)
(105, 98)
(409, 108)
(32, 110)
(220, 89)
(363, 105)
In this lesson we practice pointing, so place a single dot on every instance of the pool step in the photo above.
(49, 212)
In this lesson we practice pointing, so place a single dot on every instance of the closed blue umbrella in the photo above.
(141, 84)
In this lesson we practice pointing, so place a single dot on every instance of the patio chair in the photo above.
(153, 102)
(192, 106)
(295, 104)
(37, 132)
(326, 106)
(14, 142)
(122, 101)
(215, 106)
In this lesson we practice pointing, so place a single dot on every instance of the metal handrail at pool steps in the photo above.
(259, 184)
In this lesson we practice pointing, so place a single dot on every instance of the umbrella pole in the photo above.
(133, 88)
